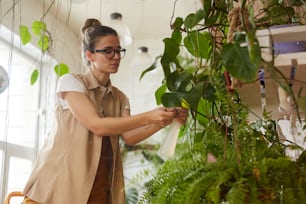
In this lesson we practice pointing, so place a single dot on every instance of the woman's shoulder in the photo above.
(70, 81)
(68, 76)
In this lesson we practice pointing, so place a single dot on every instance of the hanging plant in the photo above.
(39, 29)
(44, 42)
(222, 157)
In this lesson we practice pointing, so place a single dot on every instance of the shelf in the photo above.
(282, 34)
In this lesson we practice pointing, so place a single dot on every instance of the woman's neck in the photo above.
(102, 78)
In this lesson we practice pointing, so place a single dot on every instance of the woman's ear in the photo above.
(89, 56)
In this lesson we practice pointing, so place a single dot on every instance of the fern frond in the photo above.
(238, 192)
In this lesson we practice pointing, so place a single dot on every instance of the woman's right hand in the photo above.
(162, 116)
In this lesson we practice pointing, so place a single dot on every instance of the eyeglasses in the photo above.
(110, 52)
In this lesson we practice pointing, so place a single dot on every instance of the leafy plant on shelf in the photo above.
(222, 157)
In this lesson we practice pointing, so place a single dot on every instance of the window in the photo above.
(23, 112)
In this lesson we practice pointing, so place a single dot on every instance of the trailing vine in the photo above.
(39, 29)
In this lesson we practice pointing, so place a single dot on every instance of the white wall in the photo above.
(66, 46)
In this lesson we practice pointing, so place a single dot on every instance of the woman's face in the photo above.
(106, 58)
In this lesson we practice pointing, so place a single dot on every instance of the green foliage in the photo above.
(221, 157)
(39, 29)
(198, 43)
(43, 43)
(131, 196)
(34, 76)
(25, 35)
(263, 174)
(61, 69)
(277, 12)
(241, 61)
(151, 68)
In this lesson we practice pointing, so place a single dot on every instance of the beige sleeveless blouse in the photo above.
(66, 167)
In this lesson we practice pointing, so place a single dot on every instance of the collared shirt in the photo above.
(67, 164)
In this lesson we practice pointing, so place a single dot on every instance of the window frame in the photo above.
(45, 99)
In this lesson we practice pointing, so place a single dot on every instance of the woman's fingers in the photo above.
(165, 115)
(181, 115)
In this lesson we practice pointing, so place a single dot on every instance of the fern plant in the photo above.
(258, 173)
(222, 157)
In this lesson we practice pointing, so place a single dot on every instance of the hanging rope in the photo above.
(238, 18)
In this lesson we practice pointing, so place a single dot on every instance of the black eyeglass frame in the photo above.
(120, 52)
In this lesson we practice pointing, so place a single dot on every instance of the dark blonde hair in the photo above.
(91, 31)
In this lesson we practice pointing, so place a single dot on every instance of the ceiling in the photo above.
(145, 18)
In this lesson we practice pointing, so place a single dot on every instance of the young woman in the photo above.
(81, 163)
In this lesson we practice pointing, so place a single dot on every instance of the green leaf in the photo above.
(189, 22)
(174, 99)
(61, 69)
(209, 92)
(237, 193)
(194, 95)
(213, 194)
(131, 195)
(200, 14)
(207, 6)
(177, 23)
(151, 68)
(171, 100)
(165, 62)
(239, 37)
(215, 13)
(38, 27)
(179, 81)
(198, 43)
(202, 108)
(177, 36)
(25, 35)
(302, 158)
(279, 14)
(171, 50)
(43, 43)
(193, 19)
(237, 61)
(34, 76)
(253, 47)
(159, 92)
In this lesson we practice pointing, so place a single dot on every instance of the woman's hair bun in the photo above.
(89, 23)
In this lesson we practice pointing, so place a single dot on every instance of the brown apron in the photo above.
(101, 190)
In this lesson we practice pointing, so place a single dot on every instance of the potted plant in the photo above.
(222, 157)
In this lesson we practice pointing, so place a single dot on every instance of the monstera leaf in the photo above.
(236, 60)
(182, 89)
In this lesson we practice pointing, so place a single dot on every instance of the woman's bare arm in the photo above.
(85, 112)
(137, 135)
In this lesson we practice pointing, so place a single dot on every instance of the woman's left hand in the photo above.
(181, 115)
